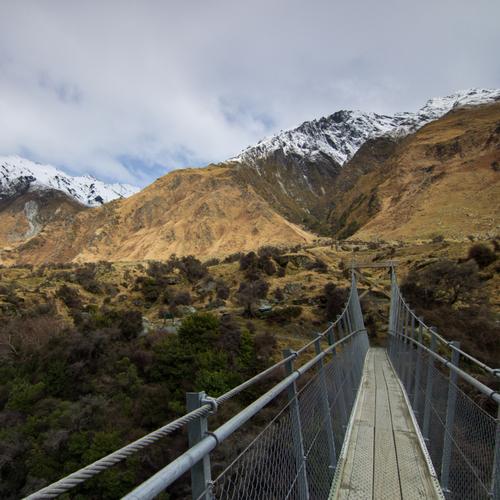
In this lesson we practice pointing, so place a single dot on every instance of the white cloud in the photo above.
(89, 84)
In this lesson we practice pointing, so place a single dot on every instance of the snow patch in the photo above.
(341, 134)
(19, 174)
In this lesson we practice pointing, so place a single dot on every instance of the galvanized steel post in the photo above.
(325, 405)
(428, 388)
(197, 430)
(418, 368)
(495, 472)
(298, 441)
(339, 387)
(409, 363)
(450, 420)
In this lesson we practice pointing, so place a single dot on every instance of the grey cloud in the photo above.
(87, 84)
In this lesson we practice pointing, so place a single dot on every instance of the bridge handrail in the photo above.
(492, 371)
(461, 434)
(175, 469)
(71, 480)
(484, 389)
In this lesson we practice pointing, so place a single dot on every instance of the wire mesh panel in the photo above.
(461, 437)
(268, 467)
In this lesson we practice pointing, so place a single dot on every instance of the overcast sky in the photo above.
(127, 90)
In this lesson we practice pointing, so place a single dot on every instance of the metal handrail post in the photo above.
(428, 389)
(340, 388)
(197, 429)
(405, 345)
(450, 421)
(298, 440)
(409, 364)
(343, 323)
(325, 405)
(495, 472)
(418, 368)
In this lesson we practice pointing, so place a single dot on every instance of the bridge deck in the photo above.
(383, 458)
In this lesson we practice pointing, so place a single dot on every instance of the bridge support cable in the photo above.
(296, 451)
(457, 414)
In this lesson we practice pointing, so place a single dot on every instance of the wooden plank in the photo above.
(416, 481)
(386, 475)
(384, 458)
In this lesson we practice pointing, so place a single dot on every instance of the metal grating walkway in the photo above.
(383, 457)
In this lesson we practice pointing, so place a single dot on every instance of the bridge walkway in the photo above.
(383, 456)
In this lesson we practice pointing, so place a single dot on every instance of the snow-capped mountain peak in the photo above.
(19, 174)
(340, 135)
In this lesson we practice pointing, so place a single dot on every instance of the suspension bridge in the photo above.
(344, 421)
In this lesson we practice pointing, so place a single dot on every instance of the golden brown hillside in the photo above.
(206, 212)
(442, 180)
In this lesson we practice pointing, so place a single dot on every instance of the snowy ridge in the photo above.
(19, 174)
(340, 135)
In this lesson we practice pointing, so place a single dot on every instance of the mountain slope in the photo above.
(296, 170)
(442, 180)
(206, 212)
(18, 175)
(335, 138)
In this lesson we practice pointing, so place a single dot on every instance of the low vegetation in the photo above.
(93, 356)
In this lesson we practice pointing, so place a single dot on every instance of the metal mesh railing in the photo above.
(462, 438)
(294, 455)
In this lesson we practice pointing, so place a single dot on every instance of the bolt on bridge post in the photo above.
(325, 406)
(197, 429)
(298, 441)
(450, 420)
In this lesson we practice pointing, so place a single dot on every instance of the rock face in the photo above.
(19, 175)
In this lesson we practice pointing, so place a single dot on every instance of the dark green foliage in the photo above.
(318, 265)
(69, 397)
(70, 296)
(443, 282)
(283, 315)
(482, 254)
(248, 260)
(254, 265)
(278, 295)
(250, 292)
(181, 299)
(130, 323)
(86, 277)
(267, 265)
(192, 268)
(450, 296)
(333, 300)
(222, 290)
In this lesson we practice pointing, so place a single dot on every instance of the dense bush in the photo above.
(70, 296)
(451, 297)
(250, 292)
(333, 299)
(482, 254)
(442, 282)
(69, 397)
(222, 290)
(283, 315)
